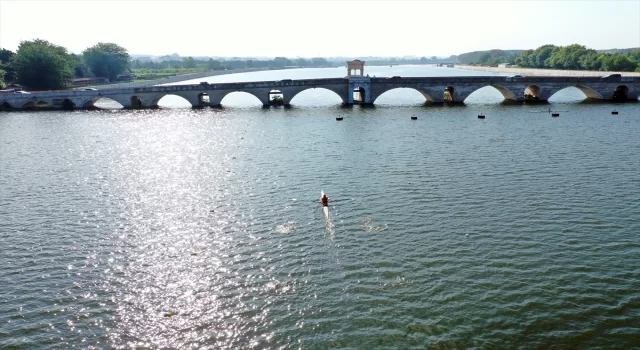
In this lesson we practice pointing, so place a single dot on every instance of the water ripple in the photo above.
(201, 228)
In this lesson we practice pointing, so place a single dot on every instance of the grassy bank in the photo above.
(143, 74)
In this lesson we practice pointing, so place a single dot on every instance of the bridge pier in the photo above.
(131, 102)
(621, 92)
(69, 103)
(433, 94)
(361, 88)
(195, 98)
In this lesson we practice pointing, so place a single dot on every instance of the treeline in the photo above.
(168, 63)
(489, 57)
(211, 64)
(41, 65)
(575, 57)
(421, 60)
(579, 57)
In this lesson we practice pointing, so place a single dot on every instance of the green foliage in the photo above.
(490, 57)
(619, 62)
(282, 62)
(42, 65)
(7, 66)
(319, 62)
(188, 62)
(567, 57)
(106, 60)
(81, 70)
(2, 85)
(214, 65)
(535, 58)
(578, 57)
(174, 71)
(5, 55)
(277, 100)
(234, 63)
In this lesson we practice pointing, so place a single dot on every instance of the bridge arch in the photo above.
(238, 96)
(5, 105)
(68, 105)
(169, 100)
(410, 90)
(532, 93)
(28, 104)
(136, 102)
(569, 92)
(506, 93)
(589, 92)
(428, 95)
(621, 93)
(449, 93)
(497, 90)
(288, 99)
(101, 102)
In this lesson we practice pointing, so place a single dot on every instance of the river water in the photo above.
(180, 228)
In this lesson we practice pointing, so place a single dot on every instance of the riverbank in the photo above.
(179, 78)
(544, 72)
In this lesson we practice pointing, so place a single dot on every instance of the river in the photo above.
(181, 228)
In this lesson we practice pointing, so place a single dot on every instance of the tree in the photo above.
(80, 69)
(302, 62)
(540, 55)
(281, 62)
(2, 86)
(567, 57)
(188, 62)
(319, 61)
(590, 61)
(523, 59)
(42, 65)
(106, 60)
(635, 54)
(7, 66)
(619, 62)
(214, 64)
(484, 57)
(5, 55)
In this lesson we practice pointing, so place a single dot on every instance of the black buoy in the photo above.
(414, 118)
(480, 116)
(339, 118)
(614, 112)
(555, 114)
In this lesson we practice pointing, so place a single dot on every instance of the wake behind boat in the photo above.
(325, 204)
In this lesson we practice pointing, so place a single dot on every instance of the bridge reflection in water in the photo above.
(351, 90)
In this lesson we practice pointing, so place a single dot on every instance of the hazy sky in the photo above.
(320, 28)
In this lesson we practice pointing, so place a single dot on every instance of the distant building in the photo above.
(88, 81)
(355, 68)
(125, 77)
(505, 65)
(16, 87)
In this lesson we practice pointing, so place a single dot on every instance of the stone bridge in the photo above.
(351, 90)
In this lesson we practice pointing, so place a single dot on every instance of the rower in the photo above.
(325, 200)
